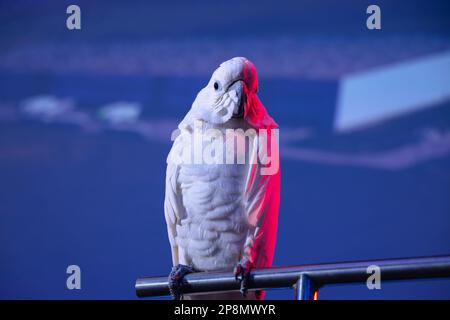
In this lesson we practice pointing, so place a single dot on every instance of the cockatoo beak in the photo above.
(241, 90)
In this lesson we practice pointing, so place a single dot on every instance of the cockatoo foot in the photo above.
(242, 274)
(176, 280)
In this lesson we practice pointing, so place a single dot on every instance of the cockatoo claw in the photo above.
(242, 274)
(176, 280)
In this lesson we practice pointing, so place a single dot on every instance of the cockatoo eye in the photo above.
(216, 86)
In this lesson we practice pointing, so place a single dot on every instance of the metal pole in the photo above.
(305, 288)
(321, 274)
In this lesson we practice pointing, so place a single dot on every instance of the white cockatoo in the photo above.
(223, 216)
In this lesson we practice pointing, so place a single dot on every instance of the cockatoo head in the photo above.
(230, 93)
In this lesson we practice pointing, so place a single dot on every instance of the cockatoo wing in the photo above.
(262, 203)
(171, 208)
(173, 205)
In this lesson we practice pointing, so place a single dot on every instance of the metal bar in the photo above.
(305, 288)
(320, 274)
